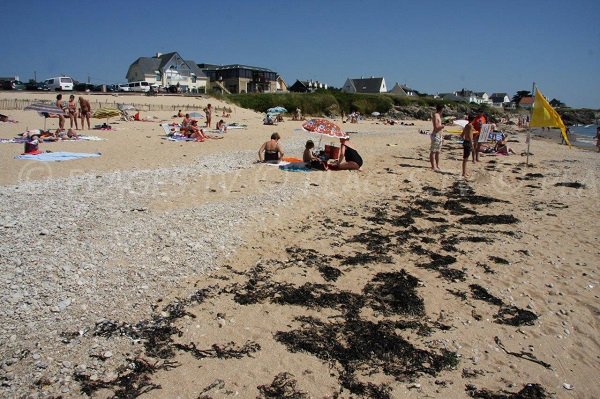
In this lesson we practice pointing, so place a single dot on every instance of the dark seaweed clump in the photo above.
(440, 264)
(489, 219)
(570, 185)
(529, 391)
(514, 316)
(498, 260)
(227, 351)
(359, 345)
(483, 295)
(283, 386)
(394, 293)
(132, 382)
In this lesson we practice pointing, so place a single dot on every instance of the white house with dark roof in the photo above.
(168, 70)
(499, 99)
(370, 85)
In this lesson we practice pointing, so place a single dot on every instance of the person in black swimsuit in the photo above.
(271, 149)
(349, 158)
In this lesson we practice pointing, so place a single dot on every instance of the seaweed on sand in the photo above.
(365, 258)
(483, 295)
(498, 260)
(394, 293)
(372, 239)
(367, 347)
(529, 391)
(282, 387)
(312, 258)
(227, 351)
(440, 264)
(131, 382)
(514, 316)
(570, 184)
(308, 295)
(489, 219)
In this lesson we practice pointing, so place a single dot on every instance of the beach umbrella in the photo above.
(277, 110)
(375, 113)
(106, 113)
(323, 127)
(461, 122)
(45, 110)
(196, 115)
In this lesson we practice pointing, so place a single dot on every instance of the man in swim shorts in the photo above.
(436, 138)
(467, 136)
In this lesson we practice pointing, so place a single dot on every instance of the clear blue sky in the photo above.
(430, 45)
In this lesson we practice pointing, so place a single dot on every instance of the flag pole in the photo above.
(528, 128)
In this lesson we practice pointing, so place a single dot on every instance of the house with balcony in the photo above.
(238, 78)
(370, 85)
(168, 70)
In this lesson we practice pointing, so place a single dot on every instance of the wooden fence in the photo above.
(19, 104)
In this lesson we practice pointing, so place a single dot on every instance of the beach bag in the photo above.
(332, 152)
(31, 146)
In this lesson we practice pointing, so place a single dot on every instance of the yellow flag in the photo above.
(544, 115)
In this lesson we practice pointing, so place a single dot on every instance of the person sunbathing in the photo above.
(195, 132)
(503, 148)
(222, 126)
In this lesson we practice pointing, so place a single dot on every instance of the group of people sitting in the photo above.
(349, 159)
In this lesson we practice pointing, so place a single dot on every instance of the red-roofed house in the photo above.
(526, 102)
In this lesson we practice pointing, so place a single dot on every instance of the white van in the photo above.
(142, 86)
(61, 83)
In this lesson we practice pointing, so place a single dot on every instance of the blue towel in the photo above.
(57, 156)
(295, 167)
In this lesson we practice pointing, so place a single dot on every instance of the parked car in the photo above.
(33, 85)
(13, 85)
(124, 87)
(85, 87)
(60, 83)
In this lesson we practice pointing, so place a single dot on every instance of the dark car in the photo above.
(13, 85)
(84, 87)
(33, 85)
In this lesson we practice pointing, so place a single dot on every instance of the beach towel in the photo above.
(295, 167)
(236, 125)
(180, 138)
(57, 156)
(21, 140)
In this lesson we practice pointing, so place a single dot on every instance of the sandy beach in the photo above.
(186, 270)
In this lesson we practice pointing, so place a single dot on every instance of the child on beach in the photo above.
(467, 136)
(311, 159)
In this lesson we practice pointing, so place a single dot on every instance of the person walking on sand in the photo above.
(208, 110)
(85, 112)
(598, 138)
(61, 117)
(467, 136)
(72, 108)
(436, 139)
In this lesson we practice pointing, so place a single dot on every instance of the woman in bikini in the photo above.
(349, 158)
(271, 149)
(72, 108)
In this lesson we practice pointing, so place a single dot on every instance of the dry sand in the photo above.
(360, 284)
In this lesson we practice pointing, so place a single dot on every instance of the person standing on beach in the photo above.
(477, 123)
(208, 111)
(598, 138)
(72, 108)
(85, 111)
(467, 136)
(436, 139)
(61, 117)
